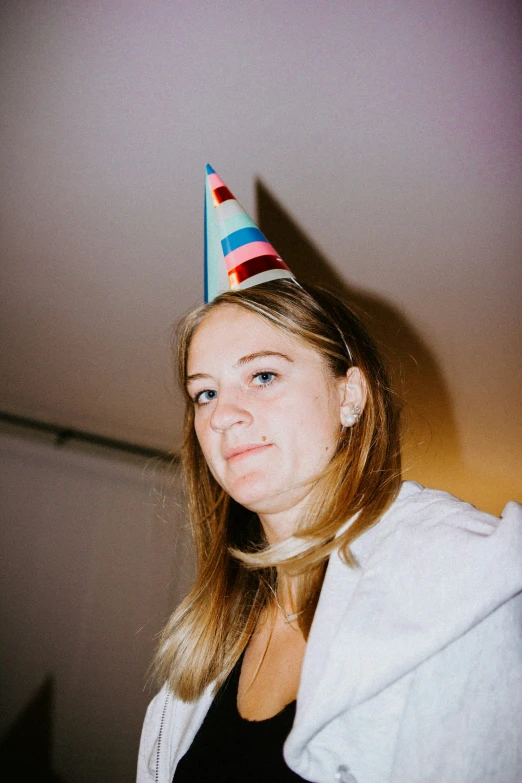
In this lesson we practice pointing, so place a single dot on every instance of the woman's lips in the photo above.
(234, 455)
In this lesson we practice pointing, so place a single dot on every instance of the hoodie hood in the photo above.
(429, 571)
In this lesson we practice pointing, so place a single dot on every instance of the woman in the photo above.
(372, 628)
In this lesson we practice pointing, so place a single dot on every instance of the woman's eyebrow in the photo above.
(261, 355)
(197, 376)
(251, 357)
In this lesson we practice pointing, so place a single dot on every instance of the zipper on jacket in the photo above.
(160, 736)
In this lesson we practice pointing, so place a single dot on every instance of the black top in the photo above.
(229, 748)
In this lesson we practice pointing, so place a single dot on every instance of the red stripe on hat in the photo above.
(248, 251)
(253, 267)
(221, 194)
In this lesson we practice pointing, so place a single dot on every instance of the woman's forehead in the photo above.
(230, 332)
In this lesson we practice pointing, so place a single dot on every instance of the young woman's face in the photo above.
(267, 411)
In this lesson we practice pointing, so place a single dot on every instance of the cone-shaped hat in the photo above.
(237, 254)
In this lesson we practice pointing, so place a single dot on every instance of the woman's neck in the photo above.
(282, 524)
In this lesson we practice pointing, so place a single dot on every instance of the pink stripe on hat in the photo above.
(215, 181)
(246, 252)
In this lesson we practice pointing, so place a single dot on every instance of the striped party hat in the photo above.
(237, 254)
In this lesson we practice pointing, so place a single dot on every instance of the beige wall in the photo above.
(94, 559)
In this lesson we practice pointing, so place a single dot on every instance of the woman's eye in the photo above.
(263, 378)
(206, 396)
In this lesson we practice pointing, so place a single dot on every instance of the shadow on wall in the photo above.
(26, 747)
(432, 453)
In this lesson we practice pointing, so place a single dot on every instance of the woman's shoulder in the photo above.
(439, 549)
(416, 505)
(421, 513)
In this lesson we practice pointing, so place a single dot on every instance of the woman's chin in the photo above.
(263, 500)
(252, 491)
(250, 496)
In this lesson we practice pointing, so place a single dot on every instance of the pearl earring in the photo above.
(349, 419)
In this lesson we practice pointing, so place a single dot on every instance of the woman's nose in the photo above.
(229, 411)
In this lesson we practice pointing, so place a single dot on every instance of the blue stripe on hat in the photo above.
(205, 249)
(213, 257)
(242, 237)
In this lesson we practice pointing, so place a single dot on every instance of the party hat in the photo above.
(237, 253)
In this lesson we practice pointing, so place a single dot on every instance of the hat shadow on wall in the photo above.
(431, 442)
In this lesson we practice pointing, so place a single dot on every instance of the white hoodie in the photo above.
(413, 667)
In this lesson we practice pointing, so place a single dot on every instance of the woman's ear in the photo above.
(353, 393)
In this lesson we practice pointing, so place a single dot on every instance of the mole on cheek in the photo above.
(263, 438)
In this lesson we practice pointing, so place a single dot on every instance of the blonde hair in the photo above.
(236, 569)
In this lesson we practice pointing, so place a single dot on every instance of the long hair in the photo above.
(236, 568)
